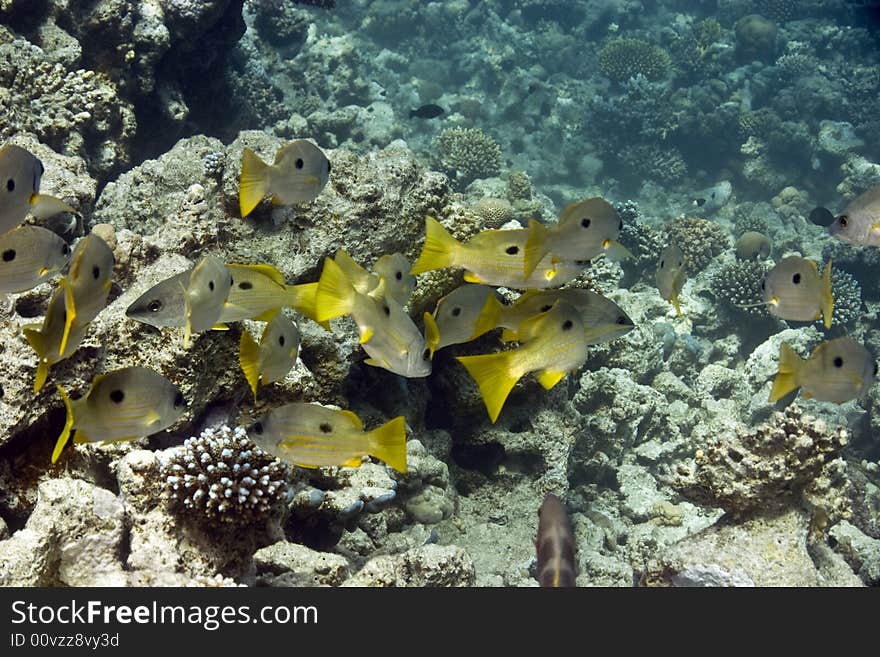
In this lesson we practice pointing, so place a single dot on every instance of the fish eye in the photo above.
(258, 428)
(9, 255)
(585, 222)
(456, 311)
(179, 400)
(10, 185)
(426, 354)
(546, 307)
(511, 250)
(567, 324)
(326, 427)
(116, 396)
(700, 202)
(838, 362)
(842, 220)
(399, 275)
(796, 279)
(154, 306)
(299, 163)
(211, 285)
(96, 272)
(245, 285)
(281, 340)
(386, 309)
(65, 249)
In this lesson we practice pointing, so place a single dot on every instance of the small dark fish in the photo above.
(429, 111)
(821, 217)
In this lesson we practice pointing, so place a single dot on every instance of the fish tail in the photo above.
(827, 296)
(253, 185)
(789, 368)
(489, 316)
(494, 377)
(249, 359)
(44, 206)
(302, 299)
(439, 250)
(335, 294)
(68, 425)
(69, 314)
(388, 443)
(536, 246)
(38, 344)
(432, 333)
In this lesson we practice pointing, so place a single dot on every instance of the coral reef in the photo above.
(467, 154)
(622, 59)
(738, 285)
(699, 239)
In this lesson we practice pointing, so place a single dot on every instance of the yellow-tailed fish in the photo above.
(29, 255)
(394, 270)
(387, 333)
(671, 275)
(603, 319)
(455, 318)
(45, 339)
(859, 223)
(312, 436)
(362, 280)
(20, 174)
(129, 403)
(493, 257)
(273, 357)
(794, 290)
(753, 246)
(206, 295)
(553, 344)
(90, 278)
(585, 230)
(300, 172)
(837, 371)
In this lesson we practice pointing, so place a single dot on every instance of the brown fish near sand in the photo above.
(555, 545)
(859, 223)
(753, 246)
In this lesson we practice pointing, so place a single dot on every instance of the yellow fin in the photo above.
(38, 344)
(267, 315)
(220, 326)
(470, 277)
(489, 316)
(69, 312)
(355, 420)
(302, 299)
(366, 335)
(494, 378)
(508, 335)
(432, 333)
(44, 206)
(80, 438)
(439, 250)
(269, 271)
(249, 359)
(787, 378)
(827, 297)
(335, 295)
(675, 304)
(549, 378)
(355, 462)
(388, 443)
(529, 328)
(536, 246)
(253, 185)
(68, 425)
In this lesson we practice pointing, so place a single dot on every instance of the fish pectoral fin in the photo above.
(366, 335)
(549, 378)
(220, 326)
(267, 316)
(248, 359)
(470, 277)
(353, 462)
(615, 251)
(153, 418)
(44, 206)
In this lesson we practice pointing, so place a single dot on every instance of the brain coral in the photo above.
(468, 154)
(699, 239)
(622, 59)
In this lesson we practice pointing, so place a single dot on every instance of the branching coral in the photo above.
(643, 242)
(622, 59)
(738, 285)
(468, 154)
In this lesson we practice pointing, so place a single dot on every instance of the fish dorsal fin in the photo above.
(269, 271)
(70, 314)
(432, 333)
(68, 425)
(354, 419)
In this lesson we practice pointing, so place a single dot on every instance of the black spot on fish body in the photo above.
(9, 255)
(245, 285)
(838, 362)
(456, 311)
(281, 340)
(585, 222)
(796, 279)
(116, 396)
(429, 111)
(326, 427)
(546, 307)
(386, 309)
(299, 164)
(154, 306)
(821, 216)
(211, 285)
(258, 428)
(512, 250)
(567, 324)
(10, 185)
(96, 272)
(399, 275)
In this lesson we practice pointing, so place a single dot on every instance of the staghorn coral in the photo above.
(221, 477)
(791, 459)
(699, 239)
(738, 285)
(468, 154)
(622, 59)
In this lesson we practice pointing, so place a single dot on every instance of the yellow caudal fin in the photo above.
(440, 248)
(254, 182)
(536, 246)
(249, 359)
(827, 297)
(549, 378)
(68, 425)
(302, 299)
(787, 378)
(335, 295)
(489, 316)
(432, 333)
(38, 344)
(494, 378)
(70, 314)
(44, 206)
(388, 443)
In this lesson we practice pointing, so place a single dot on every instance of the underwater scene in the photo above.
(510, 293)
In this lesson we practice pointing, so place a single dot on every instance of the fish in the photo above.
(603, 319)
(30, 255)
(836, 371)
(859, 223)
(311, 436)
(46, 338)
(455, 318)
(585, 230)
(387, 333)
(753, 246)
(555, 545)
(20, 175)
(553, 344)
(299, 174)
(394, 270)
(492, 257)
(429, 111)
(712, 198)
(90, 278)
(205, 296)
(363, 281)
(821, 217)
(793, 290)
(128, 403)
(671, 275)
(273, 357)
(164, 304)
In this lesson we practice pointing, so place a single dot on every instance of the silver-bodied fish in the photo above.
(90, 278)
(671, 275)
(794, 290)
(129, 403)
(837, 371)
(753, 245)
(30, 255)
(455, 318)
(859, 223)
(206, 295)
(300, 172)
(312, 436)
(394, 270)
(20, 174)
(273, 357)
